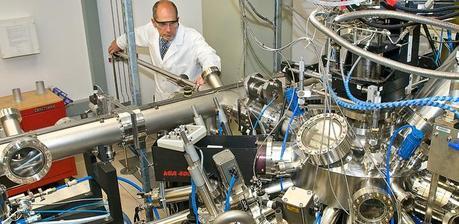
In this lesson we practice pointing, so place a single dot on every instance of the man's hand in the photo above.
(200, 81)
(114, 48)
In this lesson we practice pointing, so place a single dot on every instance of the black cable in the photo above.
(438, 9)
(430, 40)
(254, 10)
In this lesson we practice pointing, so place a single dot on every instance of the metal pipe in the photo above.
(404, 197)
(277, 34)
(276, 187)
(169, 75)
(10, 119)
(212, 77)
(67, 141)
(204, 194)
(330, 215)
(173, 219)
(176, 194)
(431, 198)
(376, 58)
(132, 52)
(406, 219)
(40, 87)
(17, 95)
(234, 216)
(386, 14)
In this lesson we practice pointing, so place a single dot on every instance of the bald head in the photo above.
(164, 7)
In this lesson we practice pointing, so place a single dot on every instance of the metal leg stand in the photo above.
(431, 199)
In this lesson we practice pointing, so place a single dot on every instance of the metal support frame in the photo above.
(431, 198)
(140, 149)
(132, 52)
(104, 175)
(136, 97)
(277, 34)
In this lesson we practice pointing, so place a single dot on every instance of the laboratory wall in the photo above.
(240, 53)
(63, 58)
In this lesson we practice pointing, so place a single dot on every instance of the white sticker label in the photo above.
(442, 129)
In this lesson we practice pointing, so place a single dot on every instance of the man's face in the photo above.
(166, 21)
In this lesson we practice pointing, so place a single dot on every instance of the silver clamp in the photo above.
(210, 70)
(126, 125)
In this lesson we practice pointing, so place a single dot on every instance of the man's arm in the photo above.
(141, 40)
(206, 55)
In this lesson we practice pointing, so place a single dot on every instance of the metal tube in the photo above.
(67, 141)
(203, 192)
(234, 216)
(169, 75)
(330, 215)
(396, 15)
(173, 219)
(132, 52)
(431, 198)
(17, 95)
(404, 197)
(40, 87)
(277, 34)
(276, 187)
(10, 119)
(376, 58)
(406, 219)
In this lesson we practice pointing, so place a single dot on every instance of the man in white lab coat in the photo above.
(173, 47)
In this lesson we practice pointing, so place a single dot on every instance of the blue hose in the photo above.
(79, 180)
(388, 153)
(136, 186)
(416, 219)
(228, 193)
(73, 209)
(362, 105)
(193, 201)
(130, 182)
(318, 217)
(262, 112)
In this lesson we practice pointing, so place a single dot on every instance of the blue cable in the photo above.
(437, 57)
(136, 186)
(281, 183)
(284, 142)
(362, 105)
(79, 180)
(130, 182)
(388, 154)
(318, 217)
(73, 209)
(193, 201)
(450, 39)
(407, 103)
(228, 193)
(262, 112)
(416, 219)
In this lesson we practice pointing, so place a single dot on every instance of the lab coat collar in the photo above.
(177, 41)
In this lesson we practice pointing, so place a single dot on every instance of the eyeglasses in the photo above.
(171, 24)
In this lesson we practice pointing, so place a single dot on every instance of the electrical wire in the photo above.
(254, 10)
(138, 188)
(228, 193)
(193, 201)
(263, 111)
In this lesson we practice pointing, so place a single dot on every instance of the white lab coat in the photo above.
(188, 54)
